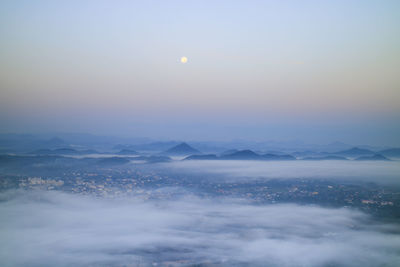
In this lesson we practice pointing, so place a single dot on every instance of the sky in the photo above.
(318, 71)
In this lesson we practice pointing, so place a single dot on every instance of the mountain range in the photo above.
(241, 155)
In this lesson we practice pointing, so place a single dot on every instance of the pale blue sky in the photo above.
(318, 70)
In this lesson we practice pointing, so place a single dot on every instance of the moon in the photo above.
(184, 60)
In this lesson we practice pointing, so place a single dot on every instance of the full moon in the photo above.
(184, 60)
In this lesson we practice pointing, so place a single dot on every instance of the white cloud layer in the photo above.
(59, 229)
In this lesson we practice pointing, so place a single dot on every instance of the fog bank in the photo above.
(52, 228)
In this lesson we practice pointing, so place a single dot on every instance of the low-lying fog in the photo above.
(43, 228)
(386, 172)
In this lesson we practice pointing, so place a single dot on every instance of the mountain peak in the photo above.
(182, 149)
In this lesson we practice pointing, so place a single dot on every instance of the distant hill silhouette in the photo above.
(251, 155)
(354, 152)
(22, 162)
(181, 149)
(392, 152)
(242, 155)
(155, 146)
(202, 157)
(63, 151)
(157, 159)
(326, 158)
(377, 157)
(228, 152)
(277, 157)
